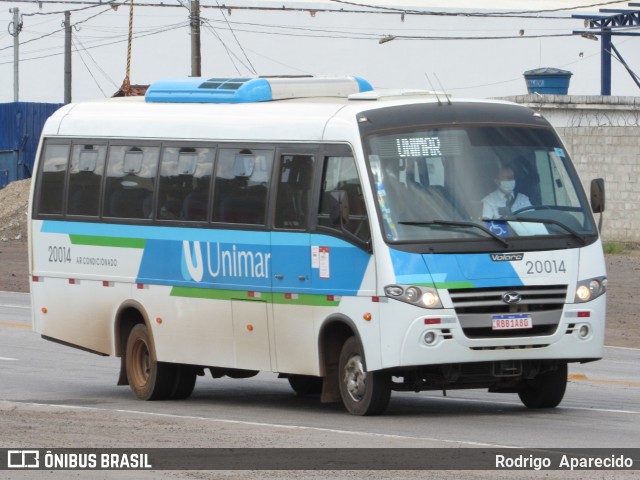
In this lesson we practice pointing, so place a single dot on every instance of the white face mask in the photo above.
(507, 186)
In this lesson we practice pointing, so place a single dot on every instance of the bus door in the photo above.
(291, 280)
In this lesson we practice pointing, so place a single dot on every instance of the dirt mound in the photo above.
(14, 201)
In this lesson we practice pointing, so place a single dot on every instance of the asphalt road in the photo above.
(74, 393)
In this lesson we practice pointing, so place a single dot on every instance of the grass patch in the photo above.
(613, 248)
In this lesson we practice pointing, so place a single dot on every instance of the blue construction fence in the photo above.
(20, 127)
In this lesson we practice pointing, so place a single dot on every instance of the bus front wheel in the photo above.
(305, 384)
(148, 379)
(546, 390)
(362, 392)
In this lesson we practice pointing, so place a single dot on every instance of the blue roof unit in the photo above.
(252, 89)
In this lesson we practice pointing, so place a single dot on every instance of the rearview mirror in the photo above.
(597, 195)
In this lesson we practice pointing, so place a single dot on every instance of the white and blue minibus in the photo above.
(318, 228)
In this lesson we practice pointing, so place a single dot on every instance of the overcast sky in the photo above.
(245, 42)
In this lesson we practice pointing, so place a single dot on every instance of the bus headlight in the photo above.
(412, 294)
(425, 297)
(590, 289)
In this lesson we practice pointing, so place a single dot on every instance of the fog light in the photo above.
(584, 331)
(430, 338)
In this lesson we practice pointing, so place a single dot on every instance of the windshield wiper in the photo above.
(459, 224)
(581, 238)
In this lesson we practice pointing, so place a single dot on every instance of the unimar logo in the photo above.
(507, 257)
(223, 261)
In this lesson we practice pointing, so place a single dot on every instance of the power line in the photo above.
(95, 63)
(377, 10)
(79, 22)
(102, 44)
(236, 38)
(87, 66)
(72, 10)
(517, 14)
(230, 52)
(215, 34)
(370, 36)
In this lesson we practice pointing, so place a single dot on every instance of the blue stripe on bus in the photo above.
(453, 270)
(157, 233)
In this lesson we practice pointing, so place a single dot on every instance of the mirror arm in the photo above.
(600, 222)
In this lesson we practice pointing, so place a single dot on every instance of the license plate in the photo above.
(511, 322)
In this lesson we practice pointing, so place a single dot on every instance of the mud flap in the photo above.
(330, 388)
(122, 378)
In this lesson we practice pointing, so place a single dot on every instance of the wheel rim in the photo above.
(354, 378)
(141, 363)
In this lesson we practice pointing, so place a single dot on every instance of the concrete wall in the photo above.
(602, 135)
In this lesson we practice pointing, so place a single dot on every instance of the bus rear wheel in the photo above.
(148, 379)
(362, 392)
(184, 382)
(546, 390)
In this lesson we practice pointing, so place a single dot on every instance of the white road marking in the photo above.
(563, 407)
(276, 425)
(8, 359)
(321, 429)
(623, 348)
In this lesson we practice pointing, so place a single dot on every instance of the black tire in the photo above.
(546, 390)
(362, 392)
(305, 384)
(184, 383)
(148, 379)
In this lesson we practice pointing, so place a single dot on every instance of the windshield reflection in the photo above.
(445, 183)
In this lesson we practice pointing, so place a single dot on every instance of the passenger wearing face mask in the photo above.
(505, 199)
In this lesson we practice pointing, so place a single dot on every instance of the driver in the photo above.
(505, 199)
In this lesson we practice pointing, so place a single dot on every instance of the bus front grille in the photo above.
(537, 298)
(476, 308)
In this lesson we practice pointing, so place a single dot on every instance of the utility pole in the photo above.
(67, 57)
(15, 33)
(196, 61)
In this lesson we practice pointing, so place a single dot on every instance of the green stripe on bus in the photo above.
(446, 285)
(216, 294)
(276, 298)
(455, 285)
(304, 299)
(99, 241)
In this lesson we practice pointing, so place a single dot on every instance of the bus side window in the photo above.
(340, 179)
(85, 179)
(294, 189)
(185, 179)
(241, 186)
(131, 175)
(52, 179)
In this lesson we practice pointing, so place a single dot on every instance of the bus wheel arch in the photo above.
(148, 378)
(335, 331)
(363, 392)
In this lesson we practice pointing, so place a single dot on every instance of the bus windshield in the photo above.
(490, 182)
